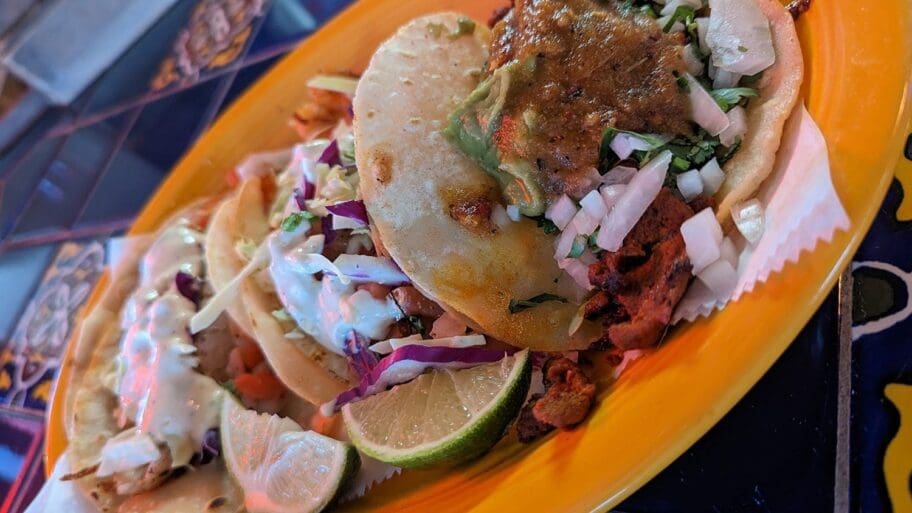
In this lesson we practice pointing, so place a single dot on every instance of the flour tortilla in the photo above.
(300, 362)
(410, 173)
(90, 409)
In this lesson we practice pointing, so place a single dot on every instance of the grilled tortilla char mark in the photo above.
(596, 64)
(640, 284)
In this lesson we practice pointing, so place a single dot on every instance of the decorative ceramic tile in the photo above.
(775, 451)
(881, 441)
(31, 357)
(215, 36)
(20, 458)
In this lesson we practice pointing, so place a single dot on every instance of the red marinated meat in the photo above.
(639, 285)
(569, 395)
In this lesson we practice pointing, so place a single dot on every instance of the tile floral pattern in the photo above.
(32, 356)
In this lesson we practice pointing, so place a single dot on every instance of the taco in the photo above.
(533, 178)
(142, 412)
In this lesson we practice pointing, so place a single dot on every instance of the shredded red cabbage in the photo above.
(362, 359)
(305, 192)
(326, 227)
(331, 155)
(188, 286)
(211, 448)
(353, 209)
(408, 362)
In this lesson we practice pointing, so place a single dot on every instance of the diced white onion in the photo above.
(706, 112)
(737, 126)
(712, 176)
(499, 216)
(346, 223)
(739, 36)
(748, 217)
(611, 193)
(693, 63)
(729, 252)
(513, 212)
(337, 83)
(721, 278)
(263, 164)
(725, 79)
(690, 185)
(455, 341)
(579, 272)
(623, 145)
(561, 212)
(386, 346)
(447, 325)
(593, 205)
(619, 175)
(641, 191)
(565, 242)
(123, 453)
(584, 223)
(702, 239)
(702, 28)
(711, 70)
(673, 5)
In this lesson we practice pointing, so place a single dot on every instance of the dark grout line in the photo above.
(67, 235)
(842, 481)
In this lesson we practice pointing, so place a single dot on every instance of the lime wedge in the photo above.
(281, 467)
(441, 416)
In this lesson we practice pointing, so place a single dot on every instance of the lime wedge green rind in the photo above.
(468, 442)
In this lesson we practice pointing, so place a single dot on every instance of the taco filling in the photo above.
(611, 123)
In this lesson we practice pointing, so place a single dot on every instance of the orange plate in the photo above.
(858, 70)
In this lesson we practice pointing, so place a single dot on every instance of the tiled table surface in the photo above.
(811, 436)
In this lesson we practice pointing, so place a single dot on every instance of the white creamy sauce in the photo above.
(160, 393)
(326, 309)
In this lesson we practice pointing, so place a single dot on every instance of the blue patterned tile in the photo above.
(20, 454)
(32, 355)
(71, 176)
(215, 36)
(21, 182)
(882, 362)
(167, 127)
(775, 451)
(123, 190)
(131, 76)
(20, 273)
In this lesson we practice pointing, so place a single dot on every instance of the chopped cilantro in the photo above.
(742, 49)
(579, 245)
(435, 29)
(464, 26)
(545, 224)
(294, 220)
(727, 98)
(518, 305)
(683, 84)
(730, 152)
(683, 13)
(679, 165)
(229, 386)
(416, 323)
